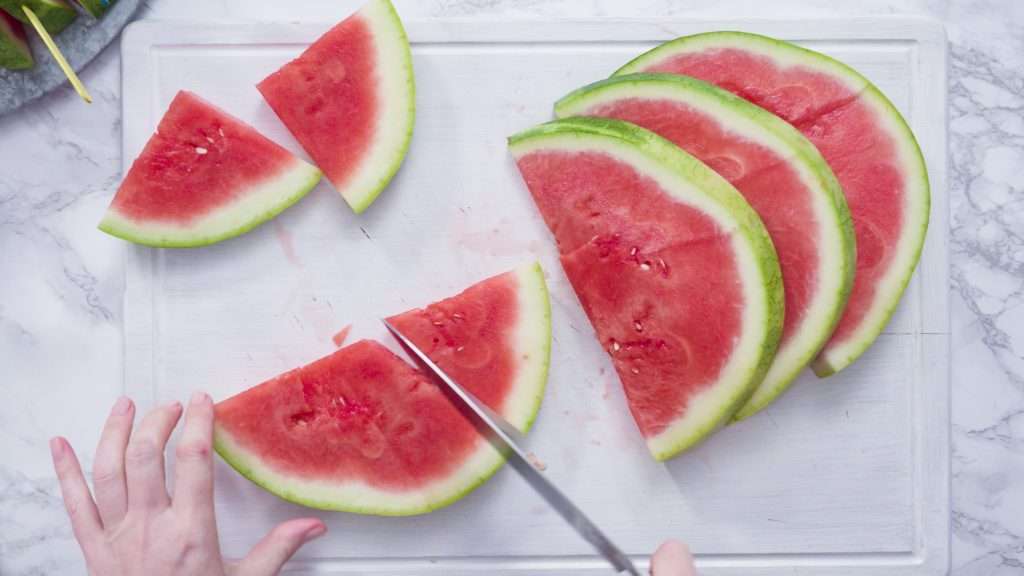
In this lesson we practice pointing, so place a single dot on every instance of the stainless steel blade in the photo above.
(506, 438)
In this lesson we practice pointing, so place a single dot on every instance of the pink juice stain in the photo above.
(284, 238)
(341, 335)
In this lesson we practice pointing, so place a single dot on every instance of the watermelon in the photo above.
(14, 51)
(362, 431)
(778, 171)
(349, 100)
(96, 8)
(54, 15)
(203, 177)
(674, 269)
(864, 139)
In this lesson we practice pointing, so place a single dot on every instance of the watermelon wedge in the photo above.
(349, 100)
(778, 171)
(864, 139)
(55, 15)
(363, 431)
(672, 266)
(14, 51)
(203, 177)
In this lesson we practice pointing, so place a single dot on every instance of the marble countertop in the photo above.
(61, 282)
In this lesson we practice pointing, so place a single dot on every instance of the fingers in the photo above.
(144, 458)
(108, 468)
(193, 468)
(672, 558)
(85, 519)
(270, 554)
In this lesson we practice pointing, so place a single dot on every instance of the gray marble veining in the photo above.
(61, 283)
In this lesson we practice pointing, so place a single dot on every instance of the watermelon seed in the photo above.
(457, 316)
(220, 131)
(460, 348)
(437, 323)
(639, 327)
(645, 266)
(200, 150)
(615, 346)
(634, 370)
(210, 140)
(633, 251)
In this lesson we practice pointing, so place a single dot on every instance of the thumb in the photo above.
(268, 556)
(672, 558)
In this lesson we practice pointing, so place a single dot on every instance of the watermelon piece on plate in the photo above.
(14, 51)
(778, 171)
(203, 177)
(672, 266)
(55, 15)
(862, 136)
(363, 431)
(349, 100)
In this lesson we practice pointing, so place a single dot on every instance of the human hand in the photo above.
(133, 527)
(672, 558)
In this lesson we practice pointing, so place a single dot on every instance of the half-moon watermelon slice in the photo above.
(349, 100)
(862, 136)
(203, 177)
(778, 171)
(363, 431)
(672, 266)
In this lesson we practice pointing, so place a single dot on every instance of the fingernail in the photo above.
(57, 447)
(199, 398)
(123, 405)
(315, 532)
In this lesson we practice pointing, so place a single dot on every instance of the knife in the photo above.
(508, 441)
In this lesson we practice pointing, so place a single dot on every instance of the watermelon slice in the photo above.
(674, 269)
(203, 177)
(14, 51)
(349, 99)
(778, 171)
(362, 431)
(55, 15)
(864, 139)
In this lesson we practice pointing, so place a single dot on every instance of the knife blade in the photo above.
(508, 440)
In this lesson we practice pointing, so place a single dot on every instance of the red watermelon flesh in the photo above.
(360, 413)
(363, 431)
(680, 329)
(349, 101)
(673, 268)
(862, 137)
(777, 170)
(204, 176)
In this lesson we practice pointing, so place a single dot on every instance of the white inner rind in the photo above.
(771, 132)
(396, 100)
(258, 203)
(709, 407)
(531, 344)
(839, 353)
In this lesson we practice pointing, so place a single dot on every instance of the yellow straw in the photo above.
(72, 77)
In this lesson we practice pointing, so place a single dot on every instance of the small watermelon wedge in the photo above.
(350, 101)
(860, 134)
(363, 431)
(778, 171)
(15, 53)
(54, 15)
(672, 266)
(203, 177)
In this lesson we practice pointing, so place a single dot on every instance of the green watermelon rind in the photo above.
(832, 359)
(262, 202)
(534, 337)
(770, 131)
(675, 170)
(387, 25)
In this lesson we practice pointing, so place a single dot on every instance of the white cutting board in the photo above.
(848, 475)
